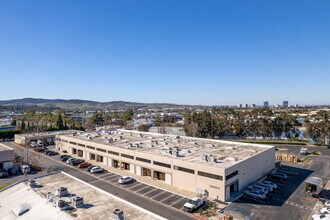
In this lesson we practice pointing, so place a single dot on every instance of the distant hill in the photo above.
(86, 104)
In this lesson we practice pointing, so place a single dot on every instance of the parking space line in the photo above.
(134, 185)
(160, 193)
(178, 201)
(172, 195)
(146, 186)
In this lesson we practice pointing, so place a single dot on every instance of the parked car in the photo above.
(13, 171)
(255, 194)
(259, 188)
(63, 155)
(327, 203)
(321, 217)
(325, 210)
(267, 186)
(303, 151)
(46, 143)
(270, 183)
(97, 170)
(125, 179)
(33, 144)
(84, 165)
(64, 159)
(71, 160)
(3, 173)
(77, 162)
(278, 176)
(47, 152)
(52, 153)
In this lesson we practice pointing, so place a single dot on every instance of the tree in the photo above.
(59, 122)
(128, 114)
(95, 120)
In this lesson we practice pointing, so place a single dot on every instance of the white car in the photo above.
(97, 170)
(325, 210)
(125, 179)
(321, 217)
(327, 203)
(255, 194)
(270, 183)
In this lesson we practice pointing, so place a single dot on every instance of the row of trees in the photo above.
(225, 122)
(101, 119)
(32, 121)
(318, 129)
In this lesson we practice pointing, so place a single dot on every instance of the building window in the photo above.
(64, 141)
(74, 143)
(81, 145)
(142, 159)
(90, 147)
(127, 156)
(113, 152)
(102, 150)
(210, 175)
(162, 164)
(184, 169)
(231, 175)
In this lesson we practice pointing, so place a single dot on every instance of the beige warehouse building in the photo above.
(217, 168)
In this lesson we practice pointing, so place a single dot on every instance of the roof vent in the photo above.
(118, 214)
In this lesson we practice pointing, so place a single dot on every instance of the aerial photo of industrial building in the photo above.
(219, 169)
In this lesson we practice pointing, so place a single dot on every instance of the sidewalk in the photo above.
(147, 180)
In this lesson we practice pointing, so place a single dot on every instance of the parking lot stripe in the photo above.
(134, 185)
(172, 195)
(146, 186)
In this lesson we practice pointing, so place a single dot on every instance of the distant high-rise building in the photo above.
(253, 105)
(246, 105)
(285, 104)
(239, 105)
(266, 104)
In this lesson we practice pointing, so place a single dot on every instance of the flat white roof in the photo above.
(98, 205)
(207, 151)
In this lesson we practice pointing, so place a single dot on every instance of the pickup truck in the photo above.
(194, 203)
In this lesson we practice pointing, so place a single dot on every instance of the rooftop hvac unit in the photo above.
(118, 214)
(32, 183)
(74, 134)
(89, 138)
(110, 140)
(62, 191)
(141, 135)
(204, 157)
(77, 201)
(59, 203)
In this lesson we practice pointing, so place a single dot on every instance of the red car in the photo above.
(84, 165)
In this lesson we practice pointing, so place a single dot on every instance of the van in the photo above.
(25, 168)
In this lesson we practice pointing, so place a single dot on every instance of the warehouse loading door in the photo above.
(146, 172)
(159, 175)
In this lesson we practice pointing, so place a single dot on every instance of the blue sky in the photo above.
(189, 52)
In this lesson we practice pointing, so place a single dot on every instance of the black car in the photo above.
(63, 155)
(46, 143)
(47, 152)
(3, 173)
(77, 162)
(52, 153)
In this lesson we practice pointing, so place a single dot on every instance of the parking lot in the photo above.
(289, 200)
(151, 192)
